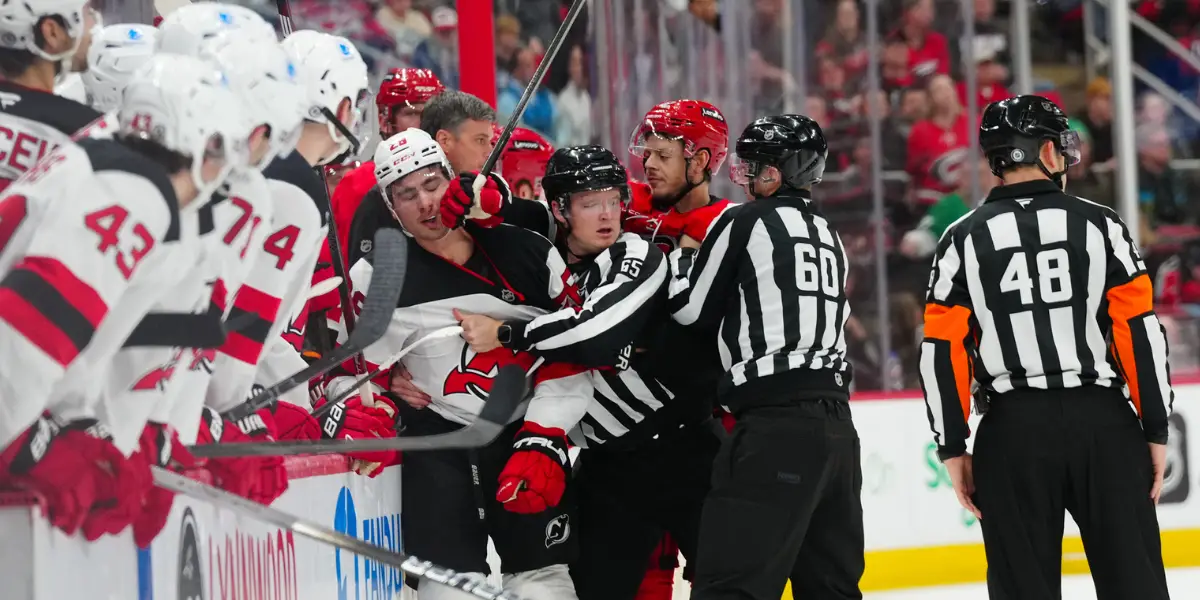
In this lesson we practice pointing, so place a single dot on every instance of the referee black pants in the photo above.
(785, 504)
(629, 498)
(1040, 453)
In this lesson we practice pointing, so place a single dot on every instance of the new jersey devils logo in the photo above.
(476, 372)
(158, 377)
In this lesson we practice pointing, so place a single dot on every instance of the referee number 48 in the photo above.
(1053, 276)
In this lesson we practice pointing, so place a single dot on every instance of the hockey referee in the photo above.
(769, 284)
(1043, 299)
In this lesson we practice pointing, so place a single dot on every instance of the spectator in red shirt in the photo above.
(845, 42)
(938, 145)
(990, 75)
(893, 65)
(929, 53)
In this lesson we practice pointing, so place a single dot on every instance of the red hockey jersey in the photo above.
(934, 156)
(347, 197)
(665, 227)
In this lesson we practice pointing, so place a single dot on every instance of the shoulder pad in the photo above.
(111, 155)
(295, 170)
(63, 114)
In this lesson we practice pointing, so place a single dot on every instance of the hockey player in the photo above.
(67, 308)
(39, 39)
(649, 448)
(768, 285)
(518, 499)
(114, 56)
(401, 99)
(524, 163)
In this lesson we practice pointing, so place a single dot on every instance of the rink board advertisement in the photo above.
(916, 533)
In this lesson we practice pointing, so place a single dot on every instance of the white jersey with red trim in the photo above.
(32, 124)
(92, 236)
(513, 274)
(159, 383)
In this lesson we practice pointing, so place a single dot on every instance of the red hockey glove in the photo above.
(353, 421)
(294, 422)
(460, 204)
(259, 478)
(64, 463)
(159, 446)
(536, 474)
(119, 498)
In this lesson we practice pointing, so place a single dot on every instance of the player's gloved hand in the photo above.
(64, 462)
(119, 499)
(159, 446)
(460, 203)
(535, 476)
(351, 420)
(294, 422)
(259, 478)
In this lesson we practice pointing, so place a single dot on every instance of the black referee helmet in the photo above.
(1012, 132)
(582, 169)
(793, 144)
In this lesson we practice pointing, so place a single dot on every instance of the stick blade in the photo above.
(508, 391)
(390, 269)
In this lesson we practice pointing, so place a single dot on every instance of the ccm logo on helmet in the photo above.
(712, 114)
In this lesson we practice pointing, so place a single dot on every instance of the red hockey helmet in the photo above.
(405, 87)
(698, 124)
(524, 161)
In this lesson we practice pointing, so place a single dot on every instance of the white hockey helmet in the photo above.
(18, 22)
(117, 52)
(192, 26)
(186, 105)
(405, 153)
(333, 70)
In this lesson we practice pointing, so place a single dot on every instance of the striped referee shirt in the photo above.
(771, 278)
(622, 287)
(1037, 289)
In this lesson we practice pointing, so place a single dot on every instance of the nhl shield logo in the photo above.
(507, 296)
(365, 246)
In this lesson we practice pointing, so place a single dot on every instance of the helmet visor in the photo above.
(1070, 146)
(742, 171)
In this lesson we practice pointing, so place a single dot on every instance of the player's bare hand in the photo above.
(482, 333)
(1158, 457)
(402, 386)
(688, 241)
(962, 475)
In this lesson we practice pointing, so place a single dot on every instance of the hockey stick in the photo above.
(508, 392)
(556, 43)
(391, 264)
(410, 565)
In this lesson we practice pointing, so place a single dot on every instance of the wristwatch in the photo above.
(504, 334)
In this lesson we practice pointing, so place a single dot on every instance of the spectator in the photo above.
(914, 106)
(937, 145)
(921, 242)
(540, 112)
(408, 26)
(439, 52)
(990, 75)
(991, 35)
(893, 132)
(845, 102)
(508, 42)
(929, 54)
(574, 122)
(766, 58)
(1098, 119)
(1083, 180)
(845, 42)
(707, 11)
(894, 68)
(538, 19)
(1164, 193)
(816, 109)
(1153, 109)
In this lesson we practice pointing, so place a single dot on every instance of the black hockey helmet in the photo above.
(793, 144)
(1012, 131)
(583, 169)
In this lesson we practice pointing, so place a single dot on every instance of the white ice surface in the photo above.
(1184, 584)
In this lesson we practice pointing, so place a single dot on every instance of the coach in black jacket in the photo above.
(768, 283)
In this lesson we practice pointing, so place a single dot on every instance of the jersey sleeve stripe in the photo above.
(1140, 349)
(260, 310)
(946, 372)
(54, 309)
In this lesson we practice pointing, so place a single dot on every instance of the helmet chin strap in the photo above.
(1056, 176)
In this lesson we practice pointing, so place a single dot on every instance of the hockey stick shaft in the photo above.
(508, 391)
(386, 284)
(410, 565)
(556, 43)
(365, 380)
